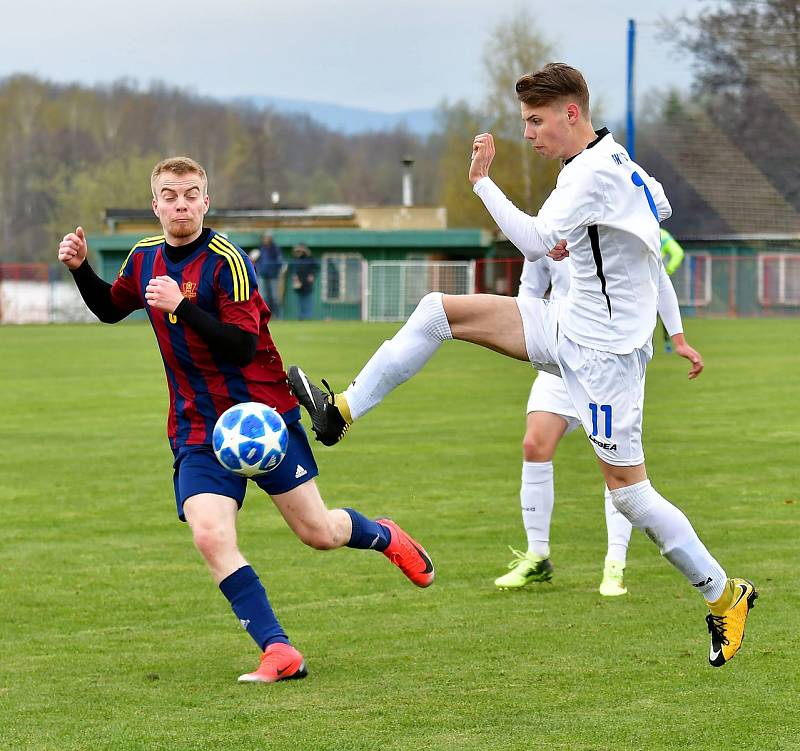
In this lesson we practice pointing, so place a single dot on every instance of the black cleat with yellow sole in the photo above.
(326, 420)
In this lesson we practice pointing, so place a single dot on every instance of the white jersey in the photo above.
(539, 276)
(608, 210)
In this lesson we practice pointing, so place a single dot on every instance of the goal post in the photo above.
(393, 288)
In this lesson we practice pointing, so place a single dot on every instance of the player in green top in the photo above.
(672, 254)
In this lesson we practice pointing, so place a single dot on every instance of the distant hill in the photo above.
(349, 120)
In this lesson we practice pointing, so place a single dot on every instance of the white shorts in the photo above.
(548, 394)
(606, 390)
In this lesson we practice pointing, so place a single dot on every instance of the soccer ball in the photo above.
(250, 439)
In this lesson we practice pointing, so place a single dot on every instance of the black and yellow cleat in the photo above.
(326, 420)
(727, 618)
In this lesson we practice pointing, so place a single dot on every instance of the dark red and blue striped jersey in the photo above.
(219, 277)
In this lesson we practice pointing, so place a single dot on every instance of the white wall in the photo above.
(41, 302)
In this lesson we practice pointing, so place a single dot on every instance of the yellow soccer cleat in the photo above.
(524, 569)
(727, 619)
(613, 584)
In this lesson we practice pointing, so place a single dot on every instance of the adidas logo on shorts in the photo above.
(300, 472)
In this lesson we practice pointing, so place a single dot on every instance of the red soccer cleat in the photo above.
(280, 662)
(408, 555)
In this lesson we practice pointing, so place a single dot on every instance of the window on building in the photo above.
(341, 277)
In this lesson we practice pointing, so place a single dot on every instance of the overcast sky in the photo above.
(379, 55)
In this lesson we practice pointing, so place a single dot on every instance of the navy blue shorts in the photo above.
(197, 470)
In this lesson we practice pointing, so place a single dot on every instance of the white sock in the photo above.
(401, 357)
(536, 497)
(668, 528)
(619, 532)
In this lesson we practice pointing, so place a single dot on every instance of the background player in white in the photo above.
(606, 209)
(551, 416)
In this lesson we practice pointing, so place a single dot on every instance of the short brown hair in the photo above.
(180, 165)
(554, 81)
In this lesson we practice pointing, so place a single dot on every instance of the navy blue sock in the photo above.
(248, 598)
(367, 533)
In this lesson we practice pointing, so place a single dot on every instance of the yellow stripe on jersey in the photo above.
(238, 253)
(154, 239)
(241, 282)
(145, 242)
(236, 296)
(236, 276)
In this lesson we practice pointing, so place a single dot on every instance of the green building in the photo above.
(342, 253)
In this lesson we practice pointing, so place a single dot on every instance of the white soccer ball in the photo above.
(250, 439)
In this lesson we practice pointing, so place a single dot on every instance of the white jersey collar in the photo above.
(601, 134)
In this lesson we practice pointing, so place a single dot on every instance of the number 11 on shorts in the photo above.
(606, 410)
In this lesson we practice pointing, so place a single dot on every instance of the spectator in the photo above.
(304, 268)
(270, 267)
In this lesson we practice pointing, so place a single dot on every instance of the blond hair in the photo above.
(179, 165)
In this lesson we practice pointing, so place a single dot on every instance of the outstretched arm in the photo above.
(576, 202)
(670, 314)
(520, 228)
(96, 292)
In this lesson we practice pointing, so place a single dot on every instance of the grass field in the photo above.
(113, 635)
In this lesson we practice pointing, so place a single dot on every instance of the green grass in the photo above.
(113, 635)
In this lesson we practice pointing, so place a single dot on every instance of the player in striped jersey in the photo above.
(199, 291)
(604, 214)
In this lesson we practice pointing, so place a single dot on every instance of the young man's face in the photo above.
(548, 128)
(180, 203)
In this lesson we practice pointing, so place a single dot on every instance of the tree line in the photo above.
(67, 152)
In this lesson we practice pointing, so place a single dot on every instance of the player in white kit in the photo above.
(551, 416)
(604, 213)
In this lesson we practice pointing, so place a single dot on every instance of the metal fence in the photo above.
(394, 288)
(350, 288)
(707, 285)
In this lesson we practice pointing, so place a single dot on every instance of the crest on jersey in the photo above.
(189, 290)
